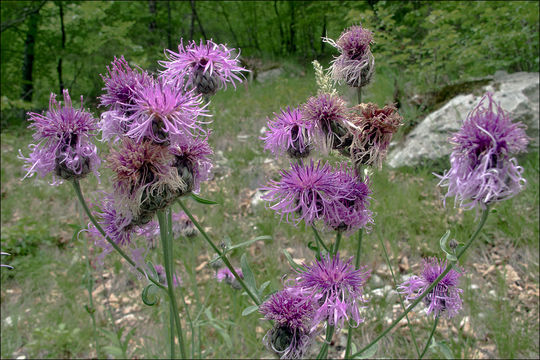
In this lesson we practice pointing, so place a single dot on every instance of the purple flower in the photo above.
(292, 313)
(482, 167)
(337, 287)
(306, 192)
(289, 132)
(145, 178)
(356, 63)
(225, 274)
(208, 67)
(63, 136)
(327, 114)
(353, 212)
(162, 109)
(160, 270)
(114, 221)
(444, 298)
(182, 226)
(192, 161)
(371, 130)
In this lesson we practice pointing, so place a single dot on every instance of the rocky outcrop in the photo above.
(517, 93)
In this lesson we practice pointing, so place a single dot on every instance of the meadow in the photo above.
(56, 277)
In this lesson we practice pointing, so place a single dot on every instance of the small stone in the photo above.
(474, 287)
(376, 281)
(8, 321)
(492, 293)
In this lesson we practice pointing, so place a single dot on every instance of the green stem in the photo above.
(430, 337)
(318, 238)
(336, 245)
(223, 257)
(399, 295)
(80, 196)
(359, 90)
(163, 230)
(323, 353)
(356, 266)
(171, 332)
(428, 290)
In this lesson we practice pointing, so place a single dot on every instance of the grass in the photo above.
(42, 300)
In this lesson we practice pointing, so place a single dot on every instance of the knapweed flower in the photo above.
(289, 132)
(116, 223)
(192, 161)
(482, 167)
(356, 64)
(337, 287)
(207, 67)
(292, 314)
(160, 270)
(145, 179)
(305, 192)
(371, 129)
(225, 274)
(327, 113)
(63, 136)
(352, 213)
(444, 298)
(163, 109)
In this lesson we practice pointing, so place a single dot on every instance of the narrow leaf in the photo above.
(369, 353)
(294, 265)
(250, 309)
(248, 274)
(202, 201)
(149, 297)
(263, 286)
(245, 243)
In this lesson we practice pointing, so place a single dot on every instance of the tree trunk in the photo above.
(195, 16)
(323, 34)
(169, 26)
(62, 28)
(28, 62)
(152, 26)
(292, 44)
(281, 35)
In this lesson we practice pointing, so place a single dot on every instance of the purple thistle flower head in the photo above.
(482, 167)
(444, 298)
(145, 178)
(327, 113)
(120, 84)
(63, 136)
(337, 287)
(208, 67)
(352, 212)
(224, 274)
(114, 221)
(289, 132)
(371, 129)
(305, 192)
(163, 109)
(292, 313)
(192, 161)
(356, 63)
(160, 270)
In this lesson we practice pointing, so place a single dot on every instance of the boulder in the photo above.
(517, 93)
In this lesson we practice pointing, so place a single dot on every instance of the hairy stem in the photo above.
(428, 290)
(323, 353)
(356, 266)
(318, 238)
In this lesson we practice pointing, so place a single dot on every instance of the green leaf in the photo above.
(295, 266)
(369, 353)
(444, 247)
(114, 351)
(202, 201)
(248, 274)
(245, 243)
(263, 286)
(149, 297)
(443, 348)
(250, 309)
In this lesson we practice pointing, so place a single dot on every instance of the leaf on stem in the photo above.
(250, 309)
(369, 353)
(245, 243)
(202, 200)
(442, 347)
(248, 274)
(149, 296)
(294, 265)
(444, 247)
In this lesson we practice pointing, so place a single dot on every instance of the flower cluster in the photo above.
(444, 298)
(318, 192)
(330, 290)
(483, 169)
(204, 67)
(63, 135)
(355, 65)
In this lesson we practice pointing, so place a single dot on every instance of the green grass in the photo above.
(44, 296)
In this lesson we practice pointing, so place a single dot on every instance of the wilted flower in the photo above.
(225, 274)
(208, 67)
(337, 287)
(192, 161)
(292, 313)
(163, 109)
(306, 192)
(371, 130)
(63, 136)
(145, 178)
(289, 132)
(356, 64)
(444, 298)
(482, 167)
(353, 212)
(160, 270)
(327, 113)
